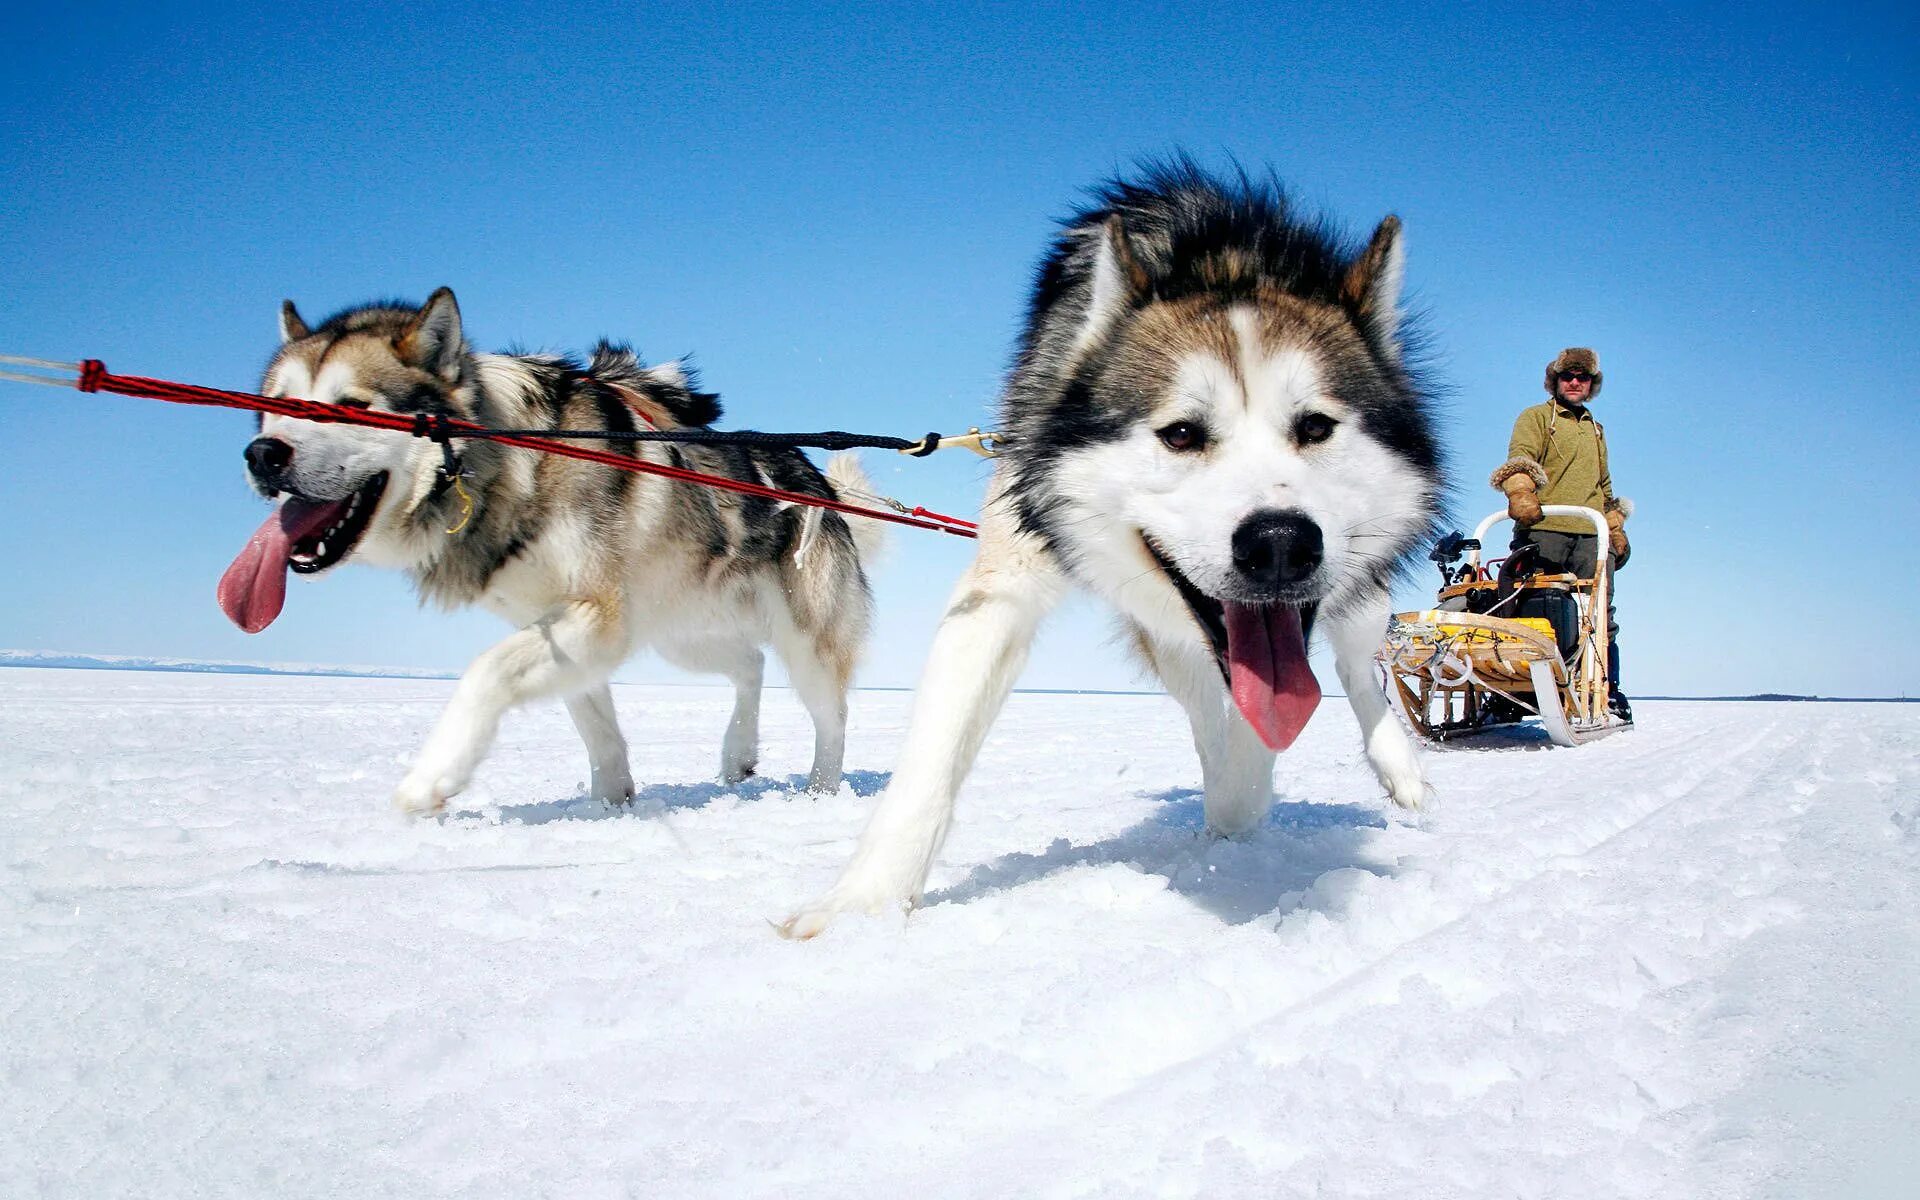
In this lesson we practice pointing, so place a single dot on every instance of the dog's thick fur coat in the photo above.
(589, 563)
(1212, 424)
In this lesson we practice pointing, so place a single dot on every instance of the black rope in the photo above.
(433, 427)
(831, 439)
(437, 428)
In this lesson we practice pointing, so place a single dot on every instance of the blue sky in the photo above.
(836, 210)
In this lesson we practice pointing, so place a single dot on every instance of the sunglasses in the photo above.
(1574, 377)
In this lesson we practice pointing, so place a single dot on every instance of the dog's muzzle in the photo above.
(1276, 553)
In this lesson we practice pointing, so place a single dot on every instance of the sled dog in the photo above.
(1212, 424)
(589, 563)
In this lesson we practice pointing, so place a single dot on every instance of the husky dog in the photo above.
(588, 562)
(1212, 424)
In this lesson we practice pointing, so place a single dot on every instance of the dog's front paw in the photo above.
(613, 789)
(1406, 786)
(809, 922)
(739, 756)
(423, 794)
(813, 919)
(1397, 766)
(614, 796)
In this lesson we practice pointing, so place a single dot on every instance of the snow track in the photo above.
(1675, 962)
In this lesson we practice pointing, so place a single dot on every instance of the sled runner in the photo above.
(1502, 649)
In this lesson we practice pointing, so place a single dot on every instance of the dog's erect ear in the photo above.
(1118, 282)
(432, 340)
(1372, 286)
(292, 328)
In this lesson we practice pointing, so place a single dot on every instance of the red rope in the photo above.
(94, 377)
(931, 515)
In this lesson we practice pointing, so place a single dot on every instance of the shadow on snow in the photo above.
(1526, 738)
(1263, 874)
(676, 797)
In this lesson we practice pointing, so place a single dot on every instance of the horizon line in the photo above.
(166, 664)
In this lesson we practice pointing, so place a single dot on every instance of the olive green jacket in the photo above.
(1565, 450)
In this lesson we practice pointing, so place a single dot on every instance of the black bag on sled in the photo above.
(1558, 607)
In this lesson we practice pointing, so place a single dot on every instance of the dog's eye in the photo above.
(1183, 436)
(352, 402)
(1313, 429)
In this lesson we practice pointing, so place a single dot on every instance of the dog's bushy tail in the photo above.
(667, 393)
(850, 483)
(824, 575)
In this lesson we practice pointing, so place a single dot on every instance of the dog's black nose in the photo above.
(267, 457)
(1274, 549)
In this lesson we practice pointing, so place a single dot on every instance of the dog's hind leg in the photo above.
(745, 667)
(1356, 633)
(976, 656)
(593, 715)
(1236, 769)
(819, 621)
(573, 648)
(821, 674)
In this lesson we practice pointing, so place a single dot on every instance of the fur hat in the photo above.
(1575, 358)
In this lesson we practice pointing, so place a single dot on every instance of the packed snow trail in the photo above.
(1677, 962)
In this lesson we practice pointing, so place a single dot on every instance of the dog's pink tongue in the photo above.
(254, 588)
(1267, 666)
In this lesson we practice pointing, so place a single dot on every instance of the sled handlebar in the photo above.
(1546, 510)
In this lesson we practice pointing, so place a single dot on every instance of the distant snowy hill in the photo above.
(120, 662)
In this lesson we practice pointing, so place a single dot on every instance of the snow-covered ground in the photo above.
(1679, 962)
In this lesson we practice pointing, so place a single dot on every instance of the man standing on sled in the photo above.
(1558, 455)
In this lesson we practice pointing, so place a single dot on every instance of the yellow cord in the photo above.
(466, 501)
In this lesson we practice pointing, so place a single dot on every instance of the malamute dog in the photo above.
(1212, 424)
(587, 562)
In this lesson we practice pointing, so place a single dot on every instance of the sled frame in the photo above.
(1440, 698)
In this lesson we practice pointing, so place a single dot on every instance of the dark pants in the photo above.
(1574, 553)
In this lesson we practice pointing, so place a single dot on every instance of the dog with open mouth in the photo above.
(1213, 424)
(589, 563)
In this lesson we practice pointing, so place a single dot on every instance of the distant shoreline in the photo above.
(113, 662)
(109, 662)
(1787, 698)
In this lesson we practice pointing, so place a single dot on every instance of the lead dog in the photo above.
(590, 563)
(1211, 423)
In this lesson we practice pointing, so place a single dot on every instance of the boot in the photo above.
(1618, 706)
(1616, 699)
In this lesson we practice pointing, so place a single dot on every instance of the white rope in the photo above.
(44, 380)
(49, 364)
(874, 498)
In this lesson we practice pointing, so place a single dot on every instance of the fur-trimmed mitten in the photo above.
(1523, 499)
(1617, 532)
(1521, 479)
